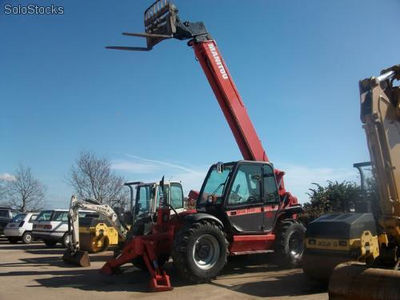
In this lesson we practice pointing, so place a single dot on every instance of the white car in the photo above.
(20, 228)
(51, 226)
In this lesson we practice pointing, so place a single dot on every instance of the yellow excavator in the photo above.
(374, 274)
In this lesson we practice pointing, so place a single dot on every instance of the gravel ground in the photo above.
(36, 272)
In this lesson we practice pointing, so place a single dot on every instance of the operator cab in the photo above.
(243, 194)
(148, 198)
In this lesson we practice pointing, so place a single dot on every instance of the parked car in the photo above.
(6, 215)
(51, 226)
(20, 228)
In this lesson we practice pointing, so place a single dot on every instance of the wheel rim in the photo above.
(296, 246)
(28, 238)
(206, 251)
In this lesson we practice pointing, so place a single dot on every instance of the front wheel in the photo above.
(289, 245)
(27, 238)
(200, 251)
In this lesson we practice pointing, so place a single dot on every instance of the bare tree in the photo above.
(25, 192)
(91, 177)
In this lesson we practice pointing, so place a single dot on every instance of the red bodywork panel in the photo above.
(246, 244)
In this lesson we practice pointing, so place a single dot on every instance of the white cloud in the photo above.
(7, 177)
(150, 170)
(134, 167)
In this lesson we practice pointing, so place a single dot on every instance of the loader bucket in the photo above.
(78, 258)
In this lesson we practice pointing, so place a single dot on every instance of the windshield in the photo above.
(44, 215)
(143, 197)
(18, 218)
(215, 183)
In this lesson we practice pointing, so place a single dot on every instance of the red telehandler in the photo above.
(242, 207)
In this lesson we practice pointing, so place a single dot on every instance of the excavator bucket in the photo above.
(79, 258)
(354, 280)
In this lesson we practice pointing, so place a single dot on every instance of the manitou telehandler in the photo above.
(375, 273)
(242, 207)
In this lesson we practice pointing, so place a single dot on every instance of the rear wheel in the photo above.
(200, 251)
(289, 245)
(27, 238)
(13, 240)
(50, 243)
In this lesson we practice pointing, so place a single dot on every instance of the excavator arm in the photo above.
(380, 115)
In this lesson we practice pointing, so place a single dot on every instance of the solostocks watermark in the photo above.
(33, 9)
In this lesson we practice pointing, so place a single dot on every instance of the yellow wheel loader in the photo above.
(374, 274)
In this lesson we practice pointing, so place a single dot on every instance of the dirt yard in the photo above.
(36, 272)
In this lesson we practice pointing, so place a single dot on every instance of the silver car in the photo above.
(20, 228)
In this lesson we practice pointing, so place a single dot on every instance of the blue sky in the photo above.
(295, 63)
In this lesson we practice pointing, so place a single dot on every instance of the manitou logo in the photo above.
(218, 61)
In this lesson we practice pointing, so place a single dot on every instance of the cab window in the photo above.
(270, 187)
(18, 218)
(176, 196)
(160, 194)
(33, 218)
(246, 187)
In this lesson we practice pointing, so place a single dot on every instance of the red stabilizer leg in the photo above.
(160, 283)
(106, 269)
(130, 251)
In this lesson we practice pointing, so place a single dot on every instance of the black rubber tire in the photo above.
(287, 232)
(182, 253)
(27, 237)
(50, 243)
(65, 240)
(13, 240)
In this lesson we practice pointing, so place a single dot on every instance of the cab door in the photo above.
(270, 197)
(244, 201)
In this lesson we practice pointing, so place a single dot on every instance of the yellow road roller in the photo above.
(96, 235)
